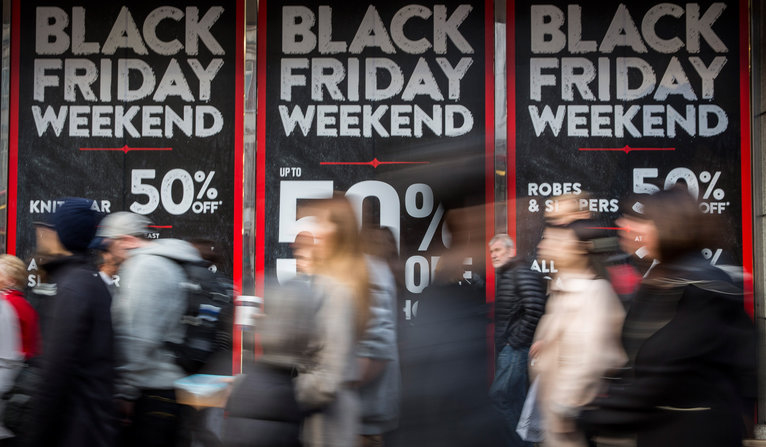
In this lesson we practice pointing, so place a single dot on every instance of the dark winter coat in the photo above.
(262, 410)
(693, 354)
(519, 304)
(73, 405)
(445, 371)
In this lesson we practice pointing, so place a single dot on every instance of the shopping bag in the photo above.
(530, 426)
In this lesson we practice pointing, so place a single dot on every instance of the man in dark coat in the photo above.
(73, 404)
(519, 304)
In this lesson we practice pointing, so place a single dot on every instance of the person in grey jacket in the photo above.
(380, 380)
(147, 313)
(519, 304)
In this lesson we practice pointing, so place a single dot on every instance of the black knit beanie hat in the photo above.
(75, 223)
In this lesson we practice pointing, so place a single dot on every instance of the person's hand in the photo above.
(536, 348)
(370, 369)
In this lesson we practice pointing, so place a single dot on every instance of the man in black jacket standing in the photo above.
(519, 304)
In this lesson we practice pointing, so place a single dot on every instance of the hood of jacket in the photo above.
(175, 249)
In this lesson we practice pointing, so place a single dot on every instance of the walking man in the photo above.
(519, 304)
(147, 313)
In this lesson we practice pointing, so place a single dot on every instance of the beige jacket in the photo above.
(580, 335)
(326, 382)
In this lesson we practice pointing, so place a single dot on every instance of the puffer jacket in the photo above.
(519, 304)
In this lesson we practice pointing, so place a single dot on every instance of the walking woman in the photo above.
(688, 339)
(577, 339)
(340, 285)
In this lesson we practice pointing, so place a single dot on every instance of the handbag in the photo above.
(530, 426)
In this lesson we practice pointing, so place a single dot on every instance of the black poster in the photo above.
(613, 99)
(384, 101)
(133, 105)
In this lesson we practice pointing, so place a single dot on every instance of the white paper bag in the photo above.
(530, 426)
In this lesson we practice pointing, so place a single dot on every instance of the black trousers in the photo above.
(156, 421)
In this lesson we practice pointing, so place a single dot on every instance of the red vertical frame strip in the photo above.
(510, 88)
(13, 150)
(260, 188)
(239, 151)
(746, 164)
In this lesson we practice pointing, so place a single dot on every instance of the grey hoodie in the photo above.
(147, 312)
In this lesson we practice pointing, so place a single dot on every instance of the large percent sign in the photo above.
(712, 193)
(693, 183)
(418, 203)
(202, 202)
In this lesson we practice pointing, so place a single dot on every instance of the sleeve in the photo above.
(148, 309)
(531, 289)
(10, 354)
(318, 385)
(591, 347)
(379, 338)
(701, 341)
(68, 330)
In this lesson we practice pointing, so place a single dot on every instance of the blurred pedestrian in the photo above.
(220, 361)
(13, 278)
(446, 356)
(690, 344)
(519, 304)
(340, 284)
(577, 340)
(147, 312)
(377, 352)
(11, 358)
(73, 405)
(262, 410)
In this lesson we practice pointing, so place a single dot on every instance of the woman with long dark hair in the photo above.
(689, 342)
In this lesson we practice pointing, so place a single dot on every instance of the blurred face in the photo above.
(303, 252)
(500, 254)
(48, 242)
(120, 247)
(566, 211)
(109, 264)
(636, 233)
(303, 258)
(118, 250)
(324, 235)
(562, 246)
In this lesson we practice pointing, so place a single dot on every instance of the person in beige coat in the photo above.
(340, 282)
(578, 338)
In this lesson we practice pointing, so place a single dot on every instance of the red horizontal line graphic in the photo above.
(374, 162)
(126, 149)
(160, 226)
(627, 149)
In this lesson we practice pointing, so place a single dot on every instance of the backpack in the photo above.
(208, 319)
